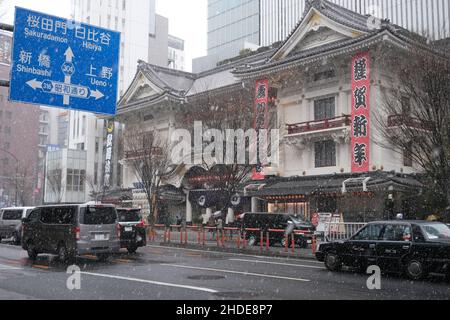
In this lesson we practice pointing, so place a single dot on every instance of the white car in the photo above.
(11, 223)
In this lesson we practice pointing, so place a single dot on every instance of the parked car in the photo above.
(133, 233)
(414, 248)
(11, 223)
(72, 230)
(271, 221)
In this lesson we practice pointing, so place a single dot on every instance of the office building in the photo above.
(227, 35)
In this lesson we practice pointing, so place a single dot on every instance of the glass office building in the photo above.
(232, 26)
(428, 17)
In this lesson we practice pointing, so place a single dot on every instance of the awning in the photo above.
(313, 185)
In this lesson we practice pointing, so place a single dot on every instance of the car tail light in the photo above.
(141, 224)
(77, 232)
(118, 230)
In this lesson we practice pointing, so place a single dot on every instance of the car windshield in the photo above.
(99, 216)
(436, 231)
(12, 215)
(297, 220)
(128, 215)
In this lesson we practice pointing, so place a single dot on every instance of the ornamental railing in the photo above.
(317, 125)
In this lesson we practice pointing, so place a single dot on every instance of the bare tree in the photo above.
(24, 184)
(147, 153)
(231, 109)
(97, 191)
(416, 120)
(56, 185)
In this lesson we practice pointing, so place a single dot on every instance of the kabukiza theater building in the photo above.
(329, 76)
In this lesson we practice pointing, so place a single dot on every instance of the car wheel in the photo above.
(415, 269)
(132, 250)
(63, 254)
(16, 239)
(333, 262)
(303, 244)
(103, 257)
(32, 253)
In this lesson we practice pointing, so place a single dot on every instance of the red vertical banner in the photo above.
(261, 120)
(360, 150)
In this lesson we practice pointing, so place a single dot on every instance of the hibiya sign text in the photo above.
(261, 122)
(64, 64)
(360, 113)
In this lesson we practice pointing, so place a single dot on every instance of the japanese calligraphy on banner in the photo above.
(109, 154)
(261, 120)
(360, 113)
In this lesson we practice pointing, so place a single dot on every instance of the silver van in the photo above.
(72, 230)
(11, 223)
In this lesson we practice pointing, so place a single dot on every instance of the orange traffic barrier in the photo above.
(314, 244)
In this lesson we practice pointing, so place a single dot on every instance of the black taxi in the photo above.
(415, 248)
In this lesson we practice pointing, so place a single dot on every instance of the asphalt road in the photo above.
(160, 273)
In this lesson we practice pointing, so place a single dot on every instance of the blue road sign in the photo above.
(65, 64)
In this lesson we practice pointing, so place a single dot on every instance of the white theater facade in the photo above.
(329, 77)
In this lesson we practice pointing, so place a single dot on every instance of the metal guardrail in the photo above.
(341, 231)
(225, 237)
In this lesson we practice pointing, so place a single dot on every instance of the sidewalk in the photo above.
(229, 246)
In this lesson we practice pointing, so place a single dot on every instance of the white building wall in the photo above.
(296, 105)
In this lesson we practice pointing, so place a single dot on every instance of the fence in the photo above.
(236, 238)
(341, 231)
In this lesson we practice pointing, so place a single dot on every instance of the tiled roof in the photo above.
(333, 183)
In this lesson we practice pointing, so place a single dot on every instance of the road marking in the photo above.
(237, 272)
(165, 284)
(6, 267)
(278, 263)
(235, 254)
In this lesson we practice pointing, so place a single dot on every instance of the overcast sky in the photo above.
(187, 19)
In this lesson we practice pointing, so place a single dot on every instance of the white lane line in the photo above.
(165, 284)
(236, 254)
(237, 272)
(278, 263)
(6, 267)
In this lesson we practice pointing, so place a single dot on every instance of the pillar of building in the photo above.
(230, 216)
(209, 213)
(188, 210)
(255, 204)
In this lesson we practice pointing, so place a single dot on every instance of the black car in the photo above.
(133, 233)
(303, 231)
(414, 248)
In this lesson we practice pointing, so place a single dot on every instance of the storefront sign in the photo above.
(261, 121)
(108, 157)
(360, 113)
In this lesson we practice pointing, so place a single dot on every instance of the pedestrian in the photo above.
(179, 220)
(220, 229)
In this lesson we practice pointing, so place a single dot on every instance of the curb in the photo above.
(237, 251)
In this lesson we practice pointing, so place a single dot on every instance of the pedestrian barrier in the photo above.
(341, 231)
(229, 237)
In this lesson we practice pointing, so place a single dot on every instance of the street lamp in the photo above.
(17, 173)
